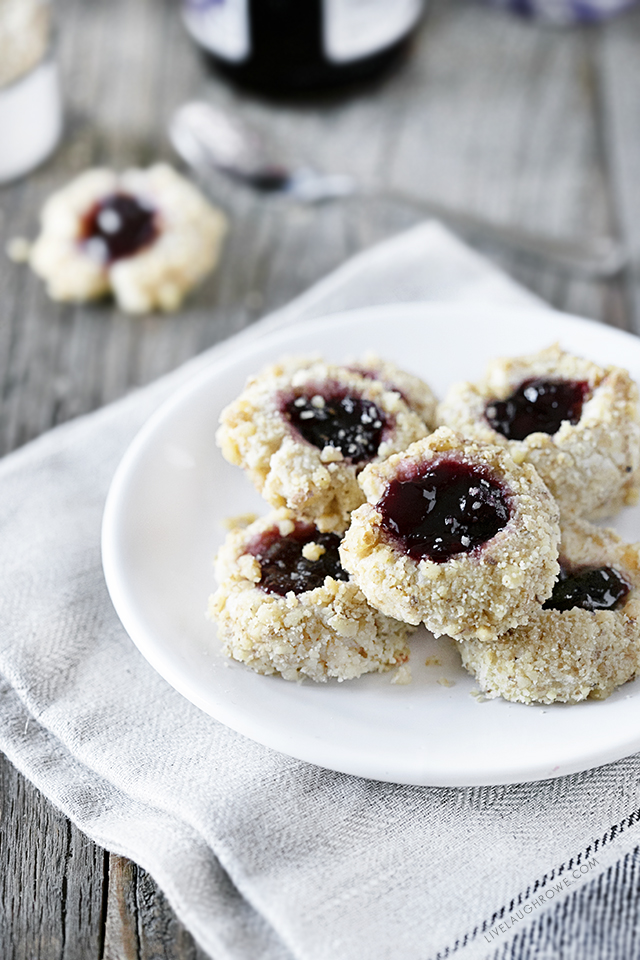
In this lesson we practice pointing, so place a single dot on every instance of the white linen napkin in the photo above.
(263, 856)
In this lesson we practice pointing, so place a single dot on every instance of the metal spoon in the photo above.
(210, 138)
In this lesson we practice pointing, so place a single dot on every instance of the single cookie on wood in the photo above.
(584, 641)
(576, 422)
(146, 236)
(303, 430)
(456, 535)
(286, 606)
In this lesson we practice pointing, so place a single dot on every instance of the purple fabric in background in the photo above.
(565, 11)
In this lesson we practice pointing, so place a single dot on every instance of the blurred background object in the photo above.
(209, 138)
(30, 108)
(289, 45)
(564, 12)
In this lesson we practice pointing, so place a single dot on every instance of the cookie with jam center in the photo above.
(286, 606)
(146, 236)
(575, 421)
(455, 535)
(303, 430)
(584, 641)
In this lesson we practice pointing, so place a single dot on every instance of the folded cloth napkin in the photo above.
(264, 856)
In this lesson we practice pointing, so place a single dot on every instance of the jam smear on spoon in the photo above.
(539, 405)
(589, 588)
(118, 226)
(446, 508)
(351, 424)
(283, 566)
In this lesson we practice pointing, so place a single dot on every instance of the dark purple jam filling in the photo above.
(539, 405)
(283, 566)
(117, 227)
(351, 424)
(445, 509)
(589, 588)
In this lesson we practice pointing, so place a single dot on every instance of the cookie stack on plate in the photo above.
(472, 517)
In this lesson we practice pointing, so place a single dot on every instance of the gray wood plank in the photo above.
(121, 940)
(140, 924)
(51, 893)
(162, 937)
(619, 63)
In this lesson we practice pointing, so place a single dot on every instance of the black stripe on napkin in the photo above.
(557, 873)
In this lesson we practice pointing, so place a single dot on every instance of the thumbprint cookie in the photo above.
(583, 641)
(287, 606)
(456, 535)
(303, 431)
(576, 422)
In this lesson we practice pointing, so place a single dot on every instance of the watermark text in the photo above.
(577, 874)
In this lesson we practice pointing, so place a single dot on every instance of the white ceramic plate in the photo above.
(164, 522)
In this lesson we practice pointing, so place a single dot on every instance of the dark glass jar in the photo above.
(288, 46)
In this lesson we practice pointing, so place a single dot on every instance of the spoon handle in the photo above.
(210, 139)
(600, 257)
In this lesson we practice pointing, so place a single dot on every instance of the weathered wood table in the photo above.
(516, 123)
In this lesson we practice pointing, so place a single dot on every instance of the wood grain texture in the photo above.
(619, 68)
(51, 881)
(139, 923)
(524, 125)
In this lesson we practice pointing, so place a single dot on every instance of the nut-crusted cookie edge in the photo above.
(482, 593)
(328, 632)
(592, 468)
(567, 656)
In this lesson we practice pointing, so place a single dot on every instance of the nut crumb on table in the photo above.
(402, 676)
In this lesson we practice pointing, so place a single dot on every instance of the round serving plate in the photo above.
(164, 520)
